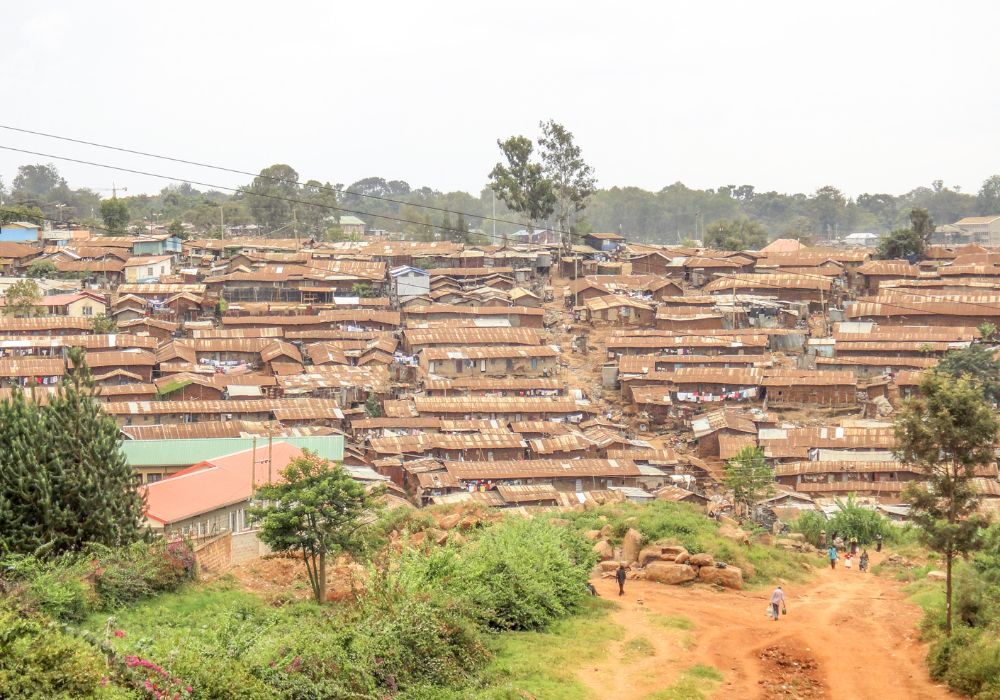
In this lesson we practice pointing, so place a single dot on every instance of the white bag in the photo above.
(770, 612)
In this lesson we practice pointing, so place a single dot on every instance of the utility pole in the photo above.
(253, 468)
(222, 223)
(270, 444)
(493, 192)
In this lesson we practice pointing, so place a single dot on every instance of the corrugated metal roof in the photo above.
(420, 337)
(768, 282)
(494, 405)
(487, 353)
(424, 442)
(805, 377)
(542, 468)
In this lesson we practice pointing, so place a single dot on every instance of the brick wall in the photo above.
(214, 554)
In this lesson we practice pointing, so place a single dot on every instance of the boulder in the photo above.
(631, 545)
(703, 559)
(604, 550)
(670, 552)
(670, 573)
(730, 577)
(682, 558)
(447, 522)
(559, 521)
(592, 535)
(936, 576)
(648, 554)
(607, 565)
(607, 530)
(797, 536)
(438, 537)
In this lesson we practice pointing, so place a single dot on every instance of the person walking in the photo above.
(778, 599)
(863, 563)
(620, 577)
(832, 553)
(854, 545)
(878, 542)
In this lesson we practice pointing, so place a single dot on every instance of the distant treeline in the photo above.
(671, 215)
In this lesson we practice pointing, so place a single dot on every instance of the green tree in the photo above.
(521, 183)
(64, 481)
(901, 243)
(372, 407)
(41, 269)
(563, 165)
(23, 299)
(749, 477)
(987, 331)
(738, 234)
(363, 290)
(176, 228)
(115, 215)
(922, 224)
(946, 432)
(977, 364)
(317, 511)
(19, 212)
(267, 195)
(988, 200)
(36, 182)
(103, 324)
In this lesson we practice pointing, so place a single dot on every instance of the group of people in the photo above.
(852, 551)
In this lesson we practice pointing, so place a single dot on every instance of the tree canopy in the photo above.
(946, 432)
(115, 214)
(749, 477)
(520, 181)
(977, 364)
(738, 234)
(23, 299)
(316, 511)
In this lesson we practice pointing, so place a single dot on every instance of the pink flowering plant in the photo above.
(154, 680)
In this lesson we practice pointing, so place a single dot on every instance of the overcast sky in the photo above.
(867, 96)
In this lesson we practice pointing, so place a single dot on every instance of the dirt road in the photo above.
(847, 636)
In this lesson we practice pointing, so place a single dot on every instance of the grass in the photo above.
(695, 683)
(545, 663)
(639, 646)
(671, 622)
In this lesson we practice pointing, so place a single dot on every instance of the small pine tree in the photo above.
(64, 481)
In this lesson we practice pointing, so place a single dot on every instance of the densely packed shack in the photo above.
(526, 375)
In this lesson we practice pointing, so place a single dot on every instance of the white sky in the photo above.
(868, 96)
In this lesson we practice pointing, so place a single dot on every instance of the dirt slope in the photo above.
(847, 635)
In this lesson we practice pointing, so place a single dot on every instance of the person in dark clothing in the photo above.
(878, 542)
(620, 577)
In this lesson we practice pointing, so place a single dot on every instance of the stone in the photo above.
(730, 577)
(607, 530)
(563, 522)
(936, 576)
(797, 536)
(670, 552)
(631, 545)
(648, 554)
(592, 535)
(670, 573)
(682, 558)
(703, 559)
(604, 550)
(448, 522)
(439, 537)
(608, 565)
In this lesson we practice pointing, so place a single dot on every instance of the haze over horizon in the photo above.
(784, 96)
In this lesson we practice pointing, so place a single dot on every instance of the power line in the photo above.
(272, 178)
(292, 200)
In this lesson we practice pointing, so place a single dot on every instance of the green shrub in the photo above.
(969, 662)
(810, 523)
(39, 661)
(128, 574)
(55, 587)
(522, 574)
(852, 520)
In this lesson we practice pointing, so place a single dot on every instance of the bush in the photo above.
(522, 574)
(131, 573)
(969, 662)
(810, 524)
(56, 587)
(39, 661)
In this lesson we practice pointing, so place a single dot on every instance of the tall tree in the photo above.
(749, 477)
(115, 214)
(317, 511)
(977, 364)
(922, 224)
(36, 182)
(988, 199)
(563, 165)
(23, 298)
(64, 481)
(269, 193)
(947, 431)
(521, 183)
(738, 234)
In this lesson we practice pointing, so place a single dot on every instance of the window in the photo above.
(534, 363)
(149, 272)
(88, 310)
(232, 521)
(153, 478)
